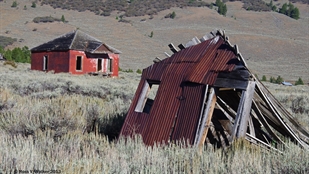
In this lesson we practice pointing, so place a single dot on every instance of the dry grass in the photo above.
(69, 123)
(272, 42)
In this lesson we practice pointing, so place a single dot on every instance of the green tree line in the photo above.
(279, 80)
(22, 55)
(289, 10)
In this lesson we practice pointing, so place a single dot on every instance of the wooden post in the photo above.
(243, 112)
(210, 106)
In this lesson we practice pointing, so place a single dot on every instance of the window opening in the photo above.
(99, 66)
(45, 62)
(110, 65)
(147, 96)
(79, 63)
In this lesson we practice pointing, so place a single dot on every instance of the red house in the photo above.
(77, 53)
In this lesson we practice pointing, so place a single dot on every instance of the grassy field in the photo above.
(273, 44)
(69, 124)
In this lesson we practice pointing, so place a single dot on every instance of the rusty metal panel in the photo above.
(188, 115)
(176, 109)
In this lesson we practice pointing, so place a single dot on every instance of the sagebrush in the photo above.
(69, 123)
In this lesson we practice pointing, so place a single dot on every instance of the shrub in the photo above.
(129, 8)
(170, 15)
(45, 19)
(138, 71)
(256, 5)
(272, 6)
(299, 82)
(151, 34)
(279, 80)
(5, 41)
(299, 105)
(272, 80)
(222, 9)
(10, 62)
(14, 4)
(128, 71)
(33, 5)
(264, 78)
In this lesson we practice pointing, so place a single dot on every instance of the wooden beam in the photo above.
(264, 122)
(256, 141)
(142, 98)
(173, 48)
(207, 117)
(201, 116)
(181, 46)
(251, 127)
(243, 112)
(226, 109)
(290, 131)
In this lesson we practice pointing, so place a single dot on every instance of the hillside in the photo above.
(272, 43)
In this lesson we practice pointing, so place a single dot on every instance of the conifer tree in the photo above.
(299, 82)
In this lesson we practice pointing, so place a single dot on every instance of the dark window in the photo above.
(99, 66)
(147, 96)
(79, 63)
(45, 63)
(110, 65)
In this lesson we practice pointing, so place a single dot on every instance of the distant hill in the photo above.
(273, 44)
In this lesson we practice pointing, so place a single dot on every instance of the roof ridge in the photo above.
(75, 31)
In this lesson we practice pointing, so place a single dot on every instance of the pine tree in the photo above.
(295, 13)
(284, 8)
(264, 78)
(63, 19)
(299, 82)
(224, 10)
(279, 80)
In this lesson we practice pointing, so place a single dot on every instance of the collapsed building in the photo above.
(205, 94)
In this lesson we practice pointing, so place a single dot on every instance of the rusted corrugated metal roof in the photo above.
(184, 109)
(176, 109)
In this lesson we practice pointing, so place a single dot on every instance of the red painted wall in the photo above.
(115, 66)
(65, 61)
(57, 61)
(88, 64)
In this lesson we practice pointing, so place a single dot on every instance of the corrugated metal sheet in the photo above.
(183, 76)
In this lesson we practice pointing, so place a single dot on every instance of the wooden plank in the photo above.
(173, 48)
(254, 140)
(227, 109)
(207, 117)
(228, 116)
(277, 104)
(142, 98)
(201, 115)
(230, 83)
(264, 122)
(181, 46)
(285, 126)
(243, 112)
(251, 127)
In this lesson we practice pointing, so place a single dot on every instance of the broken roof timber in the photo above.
(207, 94)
